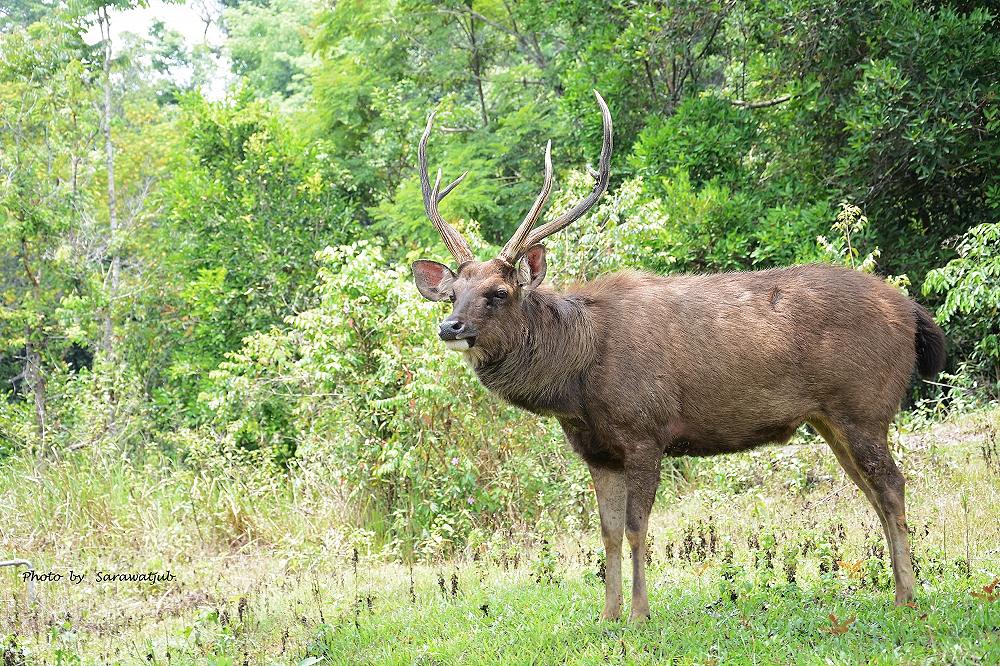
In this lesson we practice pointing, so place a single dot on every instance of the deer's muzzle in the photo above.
(456, 335)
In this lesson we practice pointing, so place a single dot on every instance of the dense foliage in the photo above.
(227, 278)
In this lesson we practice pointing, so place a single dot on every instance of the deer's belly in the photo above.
(710, 443)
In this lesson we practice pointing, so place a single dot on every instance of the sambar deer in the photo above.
(637, 366)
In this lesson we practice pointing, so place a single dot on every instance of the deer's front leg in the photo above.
(609, 485)
(642, 478)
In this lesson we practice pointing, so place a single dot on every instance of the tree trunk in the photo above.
(35, 380)
(34, 377)
(114, 273)
(113, 279)
(477, 69)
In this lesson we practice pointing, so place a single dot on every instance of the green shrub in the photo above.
(706, 135)
(970, 285)
(247, 207)
(680, 229)
(360, 386)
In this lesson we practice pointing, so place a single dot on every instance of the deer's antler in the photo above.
(525, 237)
(453, 240)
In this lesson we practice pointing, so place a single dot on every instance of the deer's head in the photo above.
(487, 293)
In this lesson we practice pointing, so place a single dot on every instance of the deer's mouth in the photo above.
(461, 344)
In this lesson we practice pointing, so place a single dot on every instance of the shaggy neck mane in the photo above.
(544, 354)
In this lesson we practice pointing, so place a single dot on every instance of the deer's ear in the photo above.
(531, 271)
(433, 280)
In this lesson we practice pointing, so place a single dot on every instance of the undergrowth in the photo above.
(768, 556)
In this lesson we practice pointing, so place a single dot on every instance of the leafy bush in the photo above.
(680, 229)
(360, 386)
(970, 284)
(706, 135)
(248, 208)
(852, 231)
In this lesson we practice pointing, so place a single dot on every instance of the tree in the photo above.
(47, 130)
(267, 45)
(113, 280)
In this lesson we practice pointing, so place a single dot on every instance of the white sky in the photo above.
(184, 17)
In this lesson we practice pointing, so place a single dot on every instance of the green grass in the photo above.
(748, 562)
(528, 622)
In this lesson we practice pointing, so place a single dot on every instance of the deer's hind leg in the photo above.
(863, 452)
(609, 485)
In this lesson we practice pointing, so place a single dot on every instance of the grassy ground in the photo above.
(749, 563)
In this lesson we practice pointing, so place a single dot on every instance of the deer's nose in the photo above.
(451, 329)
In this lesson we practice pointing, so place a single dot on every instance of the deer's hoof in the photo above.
(639, 616)
(611, 614)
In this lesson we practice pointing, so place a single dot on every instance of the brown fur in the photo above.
(638, 366)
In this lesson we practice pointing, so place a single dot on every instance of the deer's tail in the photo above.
(929, 343)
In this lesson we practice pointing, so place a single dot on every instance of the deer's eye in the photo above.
(451, 297)
(497, 296)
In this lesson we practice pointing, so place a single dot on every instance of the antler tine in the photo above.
(453, 240)
(601, 177)
(443, 193)
(516, 245)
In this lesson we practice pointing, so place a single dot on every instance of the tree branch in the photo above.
(762, 104)
(521, 38)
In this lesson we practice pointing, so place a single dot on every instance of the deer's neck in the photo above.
(545, 355)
